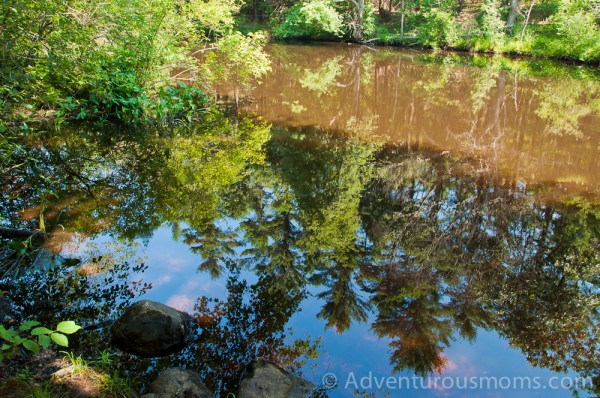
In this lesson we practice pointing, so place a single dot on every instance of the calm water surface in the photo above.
(390, 214)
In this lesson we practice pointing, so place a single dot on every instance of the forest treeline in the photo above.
(554, 28)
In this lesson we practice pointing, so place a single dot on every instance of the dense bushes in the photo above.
(574, 34)
(369, 24)
(439, 29)
(554, 28)
(110, 60)
(315, 19)
(123, 59)
(319, 19)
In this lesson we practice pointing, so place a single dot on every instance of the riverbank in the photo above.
(558, 32)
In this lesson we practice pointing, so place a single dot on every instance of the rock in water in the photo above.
(151, 329)
(264, 379)
(178, 383)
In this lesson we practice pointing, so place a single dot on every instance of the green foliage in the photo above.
(515, 45)
(180, 102)
(245, 25)
(114, 61)
(80, 366)
(105, 359)
(388, 34)
(439, 29)
(575, 34)
(313, 19)
(323, 79)
(236, 60)
(553, 28)
(491, 25)
(369, 24)
(36, 337)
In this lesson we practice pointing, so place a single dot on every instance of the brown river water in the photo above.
(533, 121)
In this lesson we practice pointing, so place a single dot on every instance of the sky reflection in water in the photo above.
(405, 213)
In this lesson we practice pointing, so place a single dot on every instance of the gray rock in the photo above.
(178, 383)
(264, 379)
(151, 329)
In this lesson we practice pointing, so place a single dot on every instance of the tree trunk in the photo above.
(359, 12)
(512, 14)
(402, 21)
(255, 6)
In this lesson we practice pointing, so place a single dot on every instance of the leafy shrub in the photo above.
(439, 29)
(577, 34)
(178, 102)
(517, 46)
(315, 19)
(236, 60)
(388, 35)
(114, 61)
(492, 25)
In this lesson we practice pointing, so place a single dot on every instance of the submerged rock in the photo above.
(178, 383)
(151, 329)
(264, 379)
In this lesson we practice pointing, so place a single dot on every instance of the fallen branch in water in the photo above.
(20, 233)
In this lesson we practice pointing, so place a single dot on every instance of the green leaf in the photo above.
(6, 347)
(68, 327)
(44, 340)
(28, 325)
(60, 339)
(40, 330)
(9, 335)
(32, 346)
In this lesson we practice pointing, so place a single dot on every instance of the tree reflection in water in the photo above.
(426, 247)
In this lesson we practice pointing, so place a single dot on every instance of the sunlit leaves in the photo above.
(113, 60)
(314, 19)
(67, 327)
(60, 339)
(25, 336)
(235, 60)
(40, 331)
